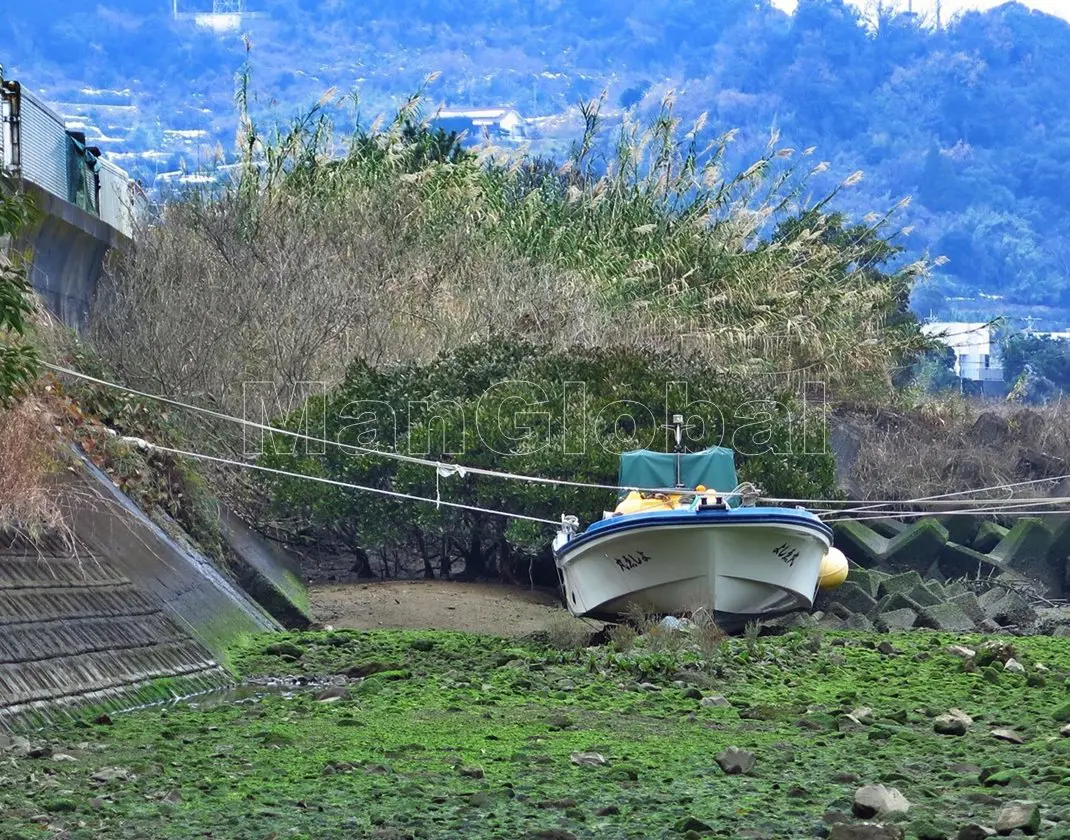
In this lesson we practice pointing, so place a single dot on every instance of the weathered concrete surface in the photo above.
(266, 572)
(195, 592)
(68, 250)
(96, 619)
(73, 630)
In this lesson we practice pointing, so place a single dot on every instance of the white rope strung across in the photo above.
(936, 508)
(970, 512)
(144, 444)
(864, 505)
(445, 469)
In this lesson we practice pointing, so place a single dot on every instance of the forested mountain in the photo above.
(969, 120)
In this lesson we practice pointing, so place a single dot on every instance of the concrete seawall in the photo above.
(99, 618)
(75, 631)
(68, 248)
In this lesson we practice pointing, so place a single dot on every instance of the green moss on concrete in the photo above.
(988, 537)
(961, 529)
(917, 545)
(1027, 540)
(860, 543)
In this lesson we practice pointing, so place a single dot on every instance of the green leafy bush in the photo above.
(18, 358)
(527, 409)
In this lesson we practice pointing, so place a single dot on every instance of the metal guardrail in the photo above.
(36, 146)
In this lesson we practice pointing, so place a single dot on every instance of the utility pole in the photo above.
(939, 20)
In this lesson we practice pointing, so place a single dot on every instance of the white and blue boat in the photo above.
(675, 545)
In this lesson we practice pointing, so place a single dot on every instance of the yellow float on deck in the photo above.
(635, 503)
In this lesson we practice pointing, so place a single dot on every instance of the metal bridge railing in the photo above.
(36, 146)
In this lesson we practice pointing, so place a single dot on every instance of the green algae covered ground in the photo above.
(455, 736)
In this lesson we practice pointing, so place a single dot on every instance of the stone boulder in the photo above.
(878, 800)
(1018, 815)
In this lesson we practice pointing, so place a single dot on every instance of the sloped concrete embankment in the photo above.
(99, 619)
(267, 572)
(953, 573)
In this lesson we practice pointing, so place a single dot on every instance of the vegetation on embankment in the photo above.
(411, 274)
(527, 408)
(451, 735)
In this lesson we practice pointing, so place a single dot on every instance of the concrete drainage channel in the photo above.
(124, 615)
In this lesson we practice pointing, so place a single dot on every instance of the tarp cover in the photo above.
(713, 468)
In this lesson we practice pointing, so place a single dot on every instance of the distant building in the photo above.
(221, 16)
(482, 124)
(972, 343)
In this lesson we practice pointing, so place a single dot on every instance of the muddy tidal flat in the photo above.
(410, 734)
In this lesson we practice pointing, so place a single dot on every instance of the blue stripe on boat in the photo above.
(710, 516)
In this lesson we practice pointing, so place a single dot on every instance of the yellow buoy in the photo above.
(833, 569)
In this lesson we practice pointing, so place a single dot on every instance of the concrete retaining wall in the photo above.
(213, 607)
(267, 572)
(100, 620)
(75, 631)
(69, 247)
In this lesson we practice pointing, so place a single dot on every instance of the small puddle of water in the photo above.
(256, 690)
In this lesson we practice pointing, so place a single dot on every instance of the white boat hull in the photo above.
(729, 562)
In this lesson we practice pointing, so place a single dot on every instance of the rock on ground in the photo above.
(1008, 735)
(865, 831)
(954, 722)
(878, 800)
(1018, 815)
(973, 831)
(735, 761)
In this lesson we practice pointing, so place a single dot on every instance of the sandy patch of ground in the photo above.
(487, 608)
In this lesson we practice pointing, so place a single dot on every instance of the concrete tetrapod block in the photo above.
(868, 579)
(968, 603)
(958, 561)
(949, 617)
(1060, 546)
(860, 543)
(988, 537)
(925, 596)
(918, 546)
(893, 620)
(1007, 607)
(851, 596)
(899, 601)
(897, 584)
(1025, 550)
(889, 527)
(961, 529)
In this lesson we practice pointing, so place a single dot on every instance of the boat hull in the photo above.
(737, 563)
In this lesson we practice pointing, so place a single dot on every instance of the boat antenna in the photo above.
(678, 448)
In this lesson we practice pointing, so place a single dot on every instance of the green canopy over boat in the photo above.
(713, 468)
